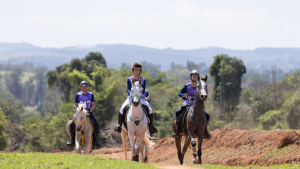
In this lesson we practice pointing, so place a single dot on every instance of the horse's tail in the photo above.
(68, 128)
(148, 141)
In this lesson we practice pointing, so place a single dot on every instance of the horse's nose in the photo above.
(203, 96)
(135, 104)
(78, 128)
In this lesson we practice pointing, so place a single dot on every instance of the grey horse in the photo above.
(83, 128)
(193, 123)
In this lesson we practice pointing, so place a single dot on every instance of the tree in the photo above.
(41, 83)
(75, 64)
(227, 72)
(3, 137)
(13, 82)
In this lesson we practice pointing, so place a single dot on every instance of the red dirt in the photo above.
(229, 147)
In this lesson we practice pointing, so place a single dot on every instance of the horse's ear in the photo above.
(140, 81)
(81, 109)
(132, 81)
(205, 79)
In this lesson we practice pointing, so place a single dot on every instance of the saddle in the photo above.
(125, 112)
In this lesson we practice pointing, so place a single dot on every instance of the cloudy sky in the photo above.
(181, 24)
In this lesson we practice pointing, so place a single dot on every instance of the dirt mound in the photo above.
(235, 147)
(56, 151)
(230, 147)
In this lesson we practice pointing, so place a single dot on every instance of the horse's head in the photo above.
(202, 91)
(136, 92)
(80, 116)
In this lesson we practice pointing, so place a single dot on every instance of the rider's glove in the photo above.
(193, 98)
(89, 110)
(184, 97)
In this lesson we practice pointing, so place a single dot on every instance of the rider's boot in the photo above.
(96, 143)
(206, 133)
(178, 126)
(72, 131)
(118, 129)
(152, 129)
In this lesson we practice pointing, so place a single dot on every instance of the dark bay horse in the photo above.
(193, 123)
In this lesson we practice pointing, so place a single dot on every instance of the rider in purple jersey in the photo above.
(190, 90)
(136, 69)
(87, 98)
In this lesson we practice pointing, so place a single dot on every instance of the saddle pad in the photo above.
(125, 112)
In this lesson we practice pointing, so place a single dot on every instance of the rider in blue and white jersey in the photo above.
(136, 69)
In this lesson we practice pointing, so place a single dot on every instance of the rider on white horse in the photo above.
(190, 90)
(136, 69)
(88, 99)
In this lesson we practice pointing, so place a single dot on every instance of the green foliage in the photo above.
(54, 160)
(12, 110)
(227, 73)
(270, 118)
(13, 82)
(48, 133)
(3, 137)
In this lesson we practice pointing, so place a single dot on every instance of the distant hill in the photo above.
(260, 58)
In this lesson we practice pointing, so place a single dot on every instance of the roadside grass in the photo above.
(283, 166)
(64, 161)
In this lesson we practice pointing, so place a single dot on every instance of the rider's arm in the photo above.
(93, 102)
(147, 94)
(76, 101)
(128, 86)
(182, 91)
(144, 86)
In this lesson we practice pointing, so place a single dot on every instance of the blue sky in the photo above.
(181, 24)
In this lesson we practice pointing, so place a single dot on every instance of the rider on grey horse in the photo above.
(136, 69)
(88, 99)
(190, 90)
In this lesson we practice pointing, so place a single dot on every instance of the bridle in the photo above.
(140, 97)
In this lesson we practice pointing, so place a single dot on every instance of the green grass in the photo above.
(283, 166)
(64, 161)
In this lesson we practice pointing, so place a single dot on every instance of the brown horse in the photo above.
(193, 124)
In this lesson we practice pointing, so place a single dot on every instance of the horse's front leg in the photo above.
(125, 147)
(77, 144)
(133, 150)
(142, 150)
(193, 142)
(88, 142)
(138, 146)
(200, 140)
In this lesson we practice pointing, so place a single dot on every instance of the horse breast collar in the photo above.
(137, 122)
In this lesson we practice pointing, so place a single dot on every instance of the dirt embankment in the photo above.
(230, 147)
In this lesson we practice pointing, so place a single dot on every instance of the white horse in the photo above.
(136, 122)
(84, 129)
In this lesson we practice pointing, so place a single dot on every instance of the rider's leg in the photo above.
(178, 122)
(72, 131)
(96, 129)
(118, 129)
(206, 133)
(152, 129)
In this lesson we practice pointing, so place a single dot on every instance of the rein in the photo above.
(82, 132)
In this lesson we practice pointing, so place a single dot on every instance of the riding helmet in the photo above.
(84, 83)
(136, 65)
(196, 72)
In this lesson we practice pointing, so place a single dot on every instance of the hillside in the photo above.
(286, 58)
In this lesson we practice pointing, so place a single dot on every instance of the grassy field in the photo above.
(64, 161)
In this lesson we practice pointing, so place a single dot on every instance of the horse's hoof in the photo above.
(200, 161)
(145, 159)
(193, 143)
(135, 158)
